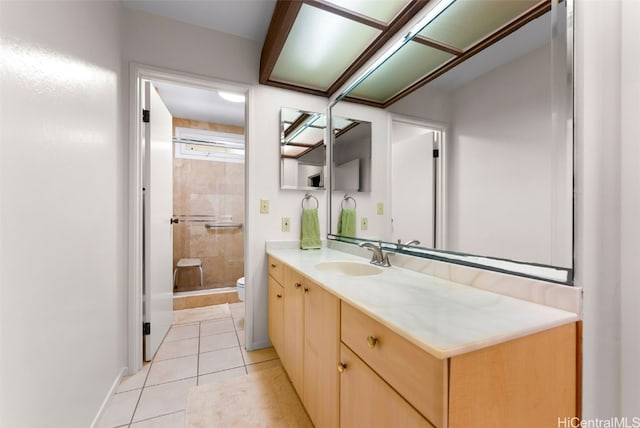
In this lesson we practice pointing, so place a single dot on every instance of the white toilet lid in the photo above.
(240, 281)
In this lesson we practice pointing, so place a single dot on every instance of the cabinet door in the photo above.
(276, 307)
(367, 401)
(321, 355)
(293, 327)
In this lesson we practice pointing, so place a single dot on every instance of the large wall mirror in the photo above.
(302, 149)
(474, 120)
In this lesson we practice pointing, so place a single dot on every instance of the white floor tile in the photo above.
(216, 327)
(241, 340)
(223, 359)
(135, 381)
(218, 341)
(163, 399)
(179, 332)
(222, 375)
(174, 420)
(177, 348)
(120, 409)
(237, 309)
(239, 323)
(171, 370)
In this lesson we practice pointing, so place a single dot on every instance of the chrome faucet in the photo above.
(400, 245)
(378, 258)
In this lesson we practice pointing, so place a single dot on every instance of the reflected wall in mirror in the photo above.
(351, 154)
(503, 180)
(302, 149)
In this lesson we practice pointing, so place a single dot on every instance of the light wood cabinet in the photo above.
(304, 328)
(368, 401)
(276, 313)
(293, 341)
(525, 382)
(321, 355)
(386, 380)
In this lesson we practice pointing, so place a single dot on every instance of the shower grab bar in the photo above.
(224, 226)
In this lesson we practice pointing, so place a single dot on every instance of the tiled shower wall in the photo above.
(203, 187)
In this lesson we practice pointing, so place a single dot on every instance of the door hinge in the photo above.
(146, 116)
(436, 153)
(146, 328)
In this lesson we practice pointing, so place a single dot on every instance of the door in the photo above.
(413, 184)
(158, 211)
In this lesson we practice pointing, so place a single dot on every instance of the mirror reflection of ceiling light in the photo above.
(307, 123)
(415, 29)
(231, 96)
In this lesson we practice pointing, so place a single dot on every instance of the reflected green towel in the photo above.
(347, 223)
(310, 229)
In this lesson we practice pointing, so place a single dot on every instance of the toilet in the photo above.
(240, 286)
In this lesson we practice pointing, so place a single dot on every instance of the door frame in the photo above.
(440, 171)
(137, 73)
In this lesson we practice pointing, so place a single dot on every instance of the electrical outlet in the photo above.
(364, 223)
(380, 208)
(286, 224)
(264, 206)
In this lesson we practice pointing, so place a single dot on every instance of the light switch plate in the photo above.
(380, 210)
(264, 206)
(364, 223)
(286, 224)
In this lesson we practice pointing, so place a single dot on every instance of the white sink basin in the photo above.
(349, 268)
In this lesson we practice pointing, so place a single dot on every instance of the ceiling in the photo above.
(243, 18)
(319, 46)
(304, 45)
(199, 104)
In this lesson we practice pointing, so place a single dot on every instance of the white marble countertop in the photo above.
(442, 317)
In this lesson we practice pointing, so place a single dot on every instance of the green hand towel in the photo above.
(347, 223)
(310, 229)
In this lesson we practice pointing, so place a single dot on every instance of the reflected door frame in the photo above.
(440, 171)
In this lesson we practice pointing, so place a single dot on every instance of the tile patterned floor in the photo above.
(204, 345)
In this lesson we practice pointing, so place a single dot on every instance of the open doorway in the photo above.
(188, 197)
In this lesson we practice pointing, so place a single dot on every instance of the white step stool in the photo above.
(188, 263)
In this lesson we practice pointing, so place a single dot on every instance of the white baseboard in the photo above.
(107, 399)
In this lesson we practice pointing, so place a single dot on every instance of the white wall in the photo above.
(63, 187)
(162, 42)
(630, 208)
(501, 157)
(598, 202)
(263, 156)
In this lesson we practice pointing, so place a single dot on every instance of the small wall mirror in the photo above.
(351, 156)
(302, 149)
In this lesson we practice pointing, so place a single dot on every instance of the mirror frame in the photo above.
(536, 271)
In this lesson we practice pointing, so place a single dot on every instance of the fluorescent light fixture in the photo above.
(231, 96)
(423, 22)
(307, 123)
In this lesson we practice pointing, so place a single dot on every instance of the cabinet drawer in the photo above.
(419, 377)
(276, 269)
(367, 401)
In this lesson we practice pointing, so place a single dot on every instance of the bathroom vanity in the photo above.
(369, 346)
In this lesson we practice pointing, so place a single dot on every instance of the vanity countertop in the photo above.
(442, 317)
